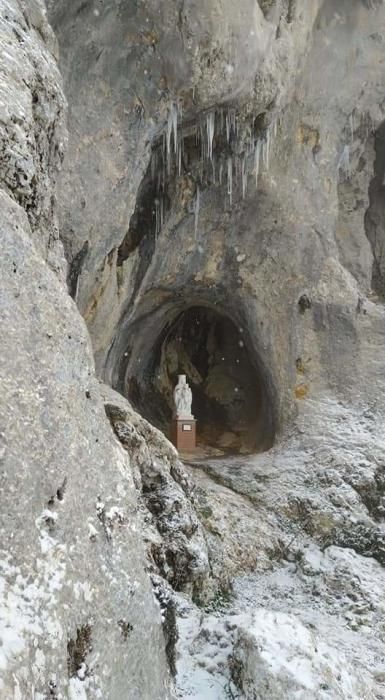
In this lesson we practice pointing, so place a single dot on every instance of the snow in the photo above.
(201, 658)
(31, 611)
(28, 603)
(25, 607)
(115, 513)
(280, 654)
(77, 690)
(311, 618)
(286, 637)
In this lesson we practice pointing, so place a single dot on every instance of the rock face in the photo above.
(174, 536)
(78, 617)
(285, 248)
(221, 215)
(33, 133)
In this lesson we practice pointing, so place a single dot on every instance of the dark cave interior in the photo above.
(230, 393)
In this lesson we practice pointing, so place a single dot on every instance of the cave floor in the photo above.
(270, 520)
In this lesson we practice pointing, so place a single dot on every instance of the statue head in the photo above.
(181, 379)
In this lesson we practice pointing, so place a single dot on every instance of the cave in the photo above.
(230, 392)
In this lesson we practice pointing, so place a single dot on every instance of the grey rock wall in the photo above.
(174, 536)
(78, 615)
(305, 77)
(33, 133)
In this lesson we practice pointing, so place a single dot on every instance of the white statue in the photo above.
(183, 399)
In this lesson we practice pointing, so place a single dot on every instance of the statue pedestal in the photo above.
(183, 433)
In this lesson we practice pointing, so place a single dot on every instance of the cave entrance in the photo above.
(230, 395)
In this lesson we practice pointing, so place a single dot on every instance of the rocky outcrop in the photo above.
(276, 657)
(173, 534)
(33, 110)
(78, 617)
(155, 233)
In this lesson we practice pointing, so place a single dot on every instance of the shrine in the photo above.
(183, 426)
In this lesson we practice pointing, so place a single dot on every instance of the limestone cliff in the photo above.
(219, 209)
(78, 617)
(275, 108)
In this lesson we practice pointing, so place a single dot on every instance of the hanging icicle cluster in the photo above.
(224, 153)
(360, 127)
(344, 162)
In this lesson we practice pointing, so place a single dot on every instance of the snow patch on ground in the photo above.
(309, 625)
(310, 629)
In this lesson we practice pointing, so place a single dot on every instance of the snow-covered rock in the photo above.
(174, 536)
(276, 657)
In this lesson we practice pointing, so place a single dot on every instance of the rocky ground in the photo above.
(307, 621)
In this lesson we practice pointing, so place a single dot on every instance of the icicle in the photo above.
(249, 142)
(168, 143)
(228, 126)
(267, 148)
(210, 123)
(257, 160)
(230, 179)
(163, 174)
(196, 212)
(275, 128)
(344, 162)
(352, 125)
(264, 153)
(157, 221)
(172, 128)
(180, 149)
(244, 178)
(174, 115)
(220, 172)
(214, 172)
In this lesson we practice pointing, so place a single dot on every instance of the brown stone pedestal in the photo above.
(183, 434)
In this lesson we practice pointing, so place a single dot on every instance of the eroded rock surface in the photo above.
(224, 159)
(175, 540)
(78, 617)
(33, 132)
(233, 177)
